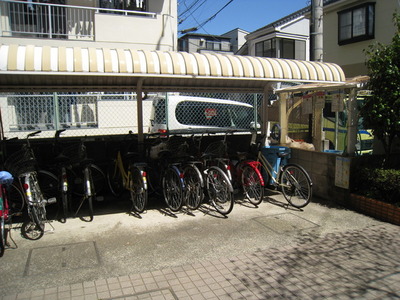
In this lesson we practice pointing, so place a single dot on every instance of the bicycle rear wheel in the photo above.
(252, 184)
(138, 189)
(2, 234)
(220, 190)
(193, 187)
(173, 189)
(31, 231)
(88, 195)
(16, 198)
(296, 185)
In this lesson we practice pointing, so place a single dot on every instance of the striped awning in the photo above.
(47, 67)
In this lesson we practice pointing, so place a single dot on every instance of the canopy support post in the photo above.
(283, 118)
(352, 122)
(139, 112)
(264, 110)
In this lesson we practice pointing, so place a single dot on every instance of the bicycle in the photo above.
(177, 178)
(212, 178)
(8, 208)
(23, 165)
(243, 173)
(125, 173)
(86, 178)
(59, 185)
(292, 179)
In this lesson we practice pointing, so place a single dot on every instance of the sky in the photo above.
(248, 15)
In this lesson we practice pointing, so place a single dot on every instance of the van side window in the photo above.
(203, 114)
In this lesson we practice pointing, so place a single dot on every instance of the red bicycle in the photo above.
(11, 203)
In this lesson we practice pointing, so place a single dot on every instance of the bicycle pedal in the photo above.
(100, 198)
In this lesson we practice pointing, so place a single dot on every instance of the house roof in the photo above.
(32, 67)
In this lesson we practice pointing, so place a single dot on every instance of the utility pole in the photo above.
(317, 30)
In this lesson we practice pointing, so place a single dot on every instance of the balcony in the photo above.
(53, 21)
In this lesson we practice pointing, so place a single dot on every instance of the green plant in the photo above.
(381, 111)
(380, 184)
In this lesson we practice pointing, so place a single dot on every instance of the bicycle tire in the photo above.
(49, 184)
(296, 185)
(173, 189)
(16, 198)
(89, 192)
(137, 190)
(220, 190)
(114, 180)
(2, 235)
(37, 208)
(193, 187)
(38, 214)
(253, 186)
(65, 201)
(31, 231)
(77, 179)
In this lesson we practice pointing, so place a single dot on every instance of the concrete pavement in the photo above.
(268, 252)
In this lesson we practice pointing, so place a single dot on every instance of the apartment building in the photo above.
(144, 24)
(81, 36)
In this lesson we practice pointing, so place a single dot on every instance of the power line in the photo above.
(200, 25)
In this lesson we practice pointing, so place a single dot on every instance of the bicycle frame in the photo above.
(266, 166)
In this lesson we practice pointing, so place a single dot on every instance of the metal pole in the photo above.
(317, 30)
(140, 111)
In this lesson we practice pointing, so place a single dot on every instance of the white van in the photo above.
(186, 114)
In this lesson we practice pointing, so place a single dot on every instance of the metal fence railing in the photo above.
(44, 20)
(100, 113)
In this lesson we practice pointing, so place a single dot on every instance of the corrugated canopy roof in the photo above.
(60, 68)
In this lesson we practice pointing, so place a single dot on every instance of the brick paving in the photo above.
(356, 264)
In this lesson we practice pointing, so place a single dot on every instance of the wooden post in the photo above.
(352, 122)
(283, 119)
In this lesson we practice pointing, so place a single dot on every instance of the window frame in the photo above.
(368, 27)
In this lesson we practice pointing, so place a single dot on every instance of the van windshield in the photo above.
(197, 113)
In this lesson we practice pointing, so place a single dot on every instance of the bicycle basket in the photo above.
(217, 149)
(21, 162)
(75, 152)
(178, 146)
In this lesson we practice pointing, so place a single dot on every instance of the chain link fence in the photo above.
(97, 113)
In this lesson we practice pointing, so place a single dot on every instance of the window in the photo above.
(356, 24)
(266, 48)
(287, 48)
(213, 45)
(138, 5)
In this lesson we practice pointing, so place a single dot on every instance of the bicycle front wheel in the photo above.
(89, 192)
(296, 185)
(173, 189)
(77, 178)
(220, 190)
(193, 187)
(115, 180)
(252, 184)
(138, 189)
(49, 184)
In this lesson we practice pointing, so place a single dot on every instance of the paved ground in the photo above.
(269, 252)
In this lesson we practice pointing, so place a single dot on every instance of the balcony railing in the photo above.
(42, 20)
